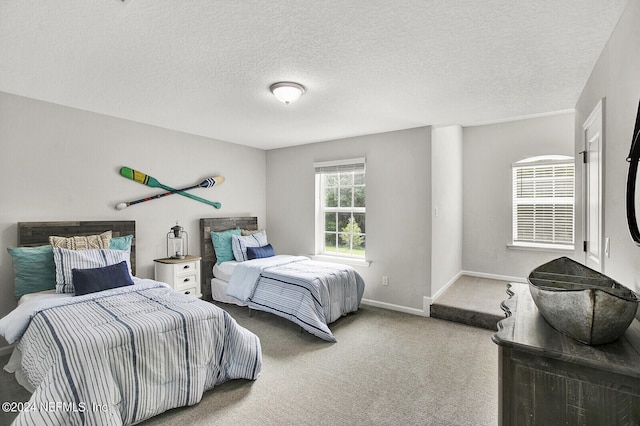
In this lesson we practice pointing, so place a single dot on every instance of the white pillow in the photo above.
(240, 243)
(67, 260)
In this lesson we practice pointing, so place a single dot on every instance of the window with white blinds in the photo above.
(543, 202)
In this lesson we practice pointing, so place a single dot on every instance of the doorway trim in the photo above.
(593, 245)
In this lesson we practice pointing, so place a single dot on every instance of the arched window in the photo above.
(543, 202)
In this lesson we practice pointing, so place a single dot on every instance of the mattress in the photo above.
(222, 274)
(224, 270)
(219, 292)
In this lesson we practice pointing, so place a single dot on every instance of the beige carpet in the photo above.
(388, 368)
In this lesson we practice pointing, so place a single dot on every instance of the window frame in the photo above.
(321, 170)
(548, 225)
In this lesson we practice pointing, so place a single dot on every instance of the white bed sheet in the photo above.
(219, 292)
(14, 366)
(224, 270)
(26, 297)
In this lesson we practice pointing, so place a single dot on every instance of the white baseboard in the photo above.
(5, 350)
(426, 306)
(495, 276)
(428, 301)
(393, 307)
(431, 300)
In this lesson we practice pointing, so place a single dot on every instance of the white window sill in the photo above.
(542, 247)
(340, 259)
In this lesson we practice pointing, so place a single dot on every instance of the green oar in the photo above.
(154, 183)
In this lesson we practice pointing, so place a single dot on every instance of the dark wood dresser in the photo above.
(546, 378)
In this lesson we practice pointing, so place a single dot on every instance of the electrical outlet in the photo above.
(385, 280)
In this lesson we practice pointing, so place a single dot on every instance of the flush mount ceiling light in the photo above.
(287, 91)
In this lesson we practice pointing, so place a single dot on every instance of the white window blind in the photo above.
(543, 202)
(354, 165)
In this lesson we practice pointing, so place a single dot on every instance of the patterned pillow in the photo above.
(82, 242)
(68, 260)
(240, 244)
(222, 244)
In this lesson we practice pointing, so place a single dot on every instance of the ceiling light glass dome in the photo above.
(287, 91)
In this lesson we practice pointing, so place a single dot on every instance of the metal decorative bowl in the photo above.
(582, 303)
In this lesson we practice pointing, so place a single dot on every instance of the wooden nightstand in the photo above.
(182, 275)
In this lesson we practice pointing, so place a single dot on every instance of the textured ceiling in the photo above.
(204, 67)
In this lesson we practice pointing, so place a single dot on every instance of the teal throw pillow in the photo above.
(222, 244)
(33, 269)
(121, 243)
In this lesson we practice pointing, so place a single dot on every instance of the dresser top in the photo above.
(526, 330)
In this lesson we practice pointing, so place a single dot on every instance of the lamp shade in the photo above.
(287, 91)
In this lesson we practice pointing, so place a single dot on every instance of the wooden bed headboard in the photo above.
(32, 234)
(217, 224)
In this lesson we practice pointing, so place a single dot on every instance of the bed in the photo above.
(309, 293)
(123, 354)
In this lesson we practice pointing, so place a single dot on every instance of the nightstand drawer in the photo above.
(186, 281)
(184, 269)
(191, 291)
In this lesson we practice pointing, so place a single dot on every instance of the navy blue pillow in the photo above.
(260, 252)
(93, 280)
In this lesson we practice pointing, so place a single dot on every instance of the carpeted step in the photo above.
(464, 316)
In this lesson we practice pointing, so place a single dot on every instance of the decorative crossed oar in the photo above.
(154, 183)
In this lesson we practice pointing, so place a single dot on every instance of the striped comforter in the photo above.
(309, 293)
(124, 355)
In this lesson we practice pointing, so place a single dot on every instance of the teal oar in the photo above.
(207, 183)
(154, 183)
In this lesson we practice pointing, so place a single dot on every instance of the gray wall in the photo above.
(398, 208)
(489, 151)
(60, 163)
(616, 78)
(447, 208)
